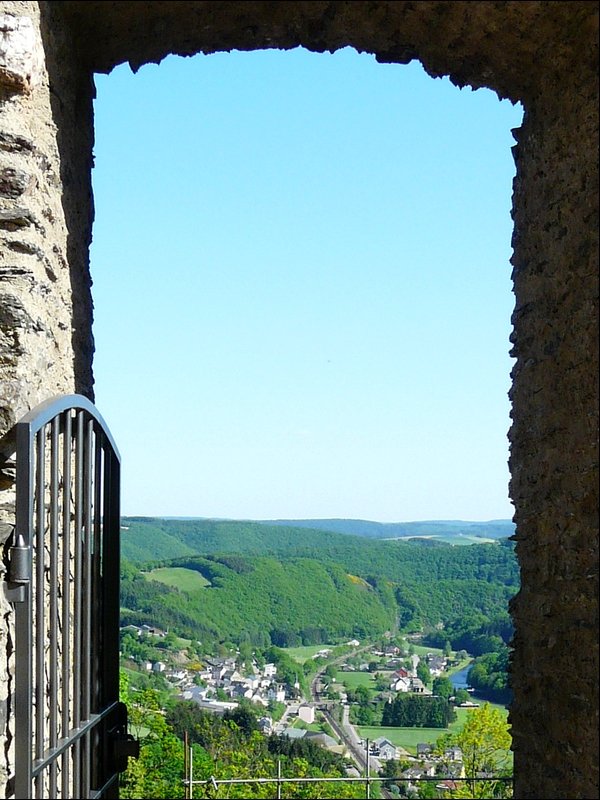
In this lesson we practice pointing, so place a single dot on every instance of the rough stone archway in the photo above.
(543, 54)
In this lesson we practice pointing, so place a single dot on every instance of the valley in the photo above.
(323, 638)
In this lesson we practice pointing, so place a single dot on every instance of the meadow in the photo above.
(408, 738)
(354, 679)
(302, 654)
(187, 580)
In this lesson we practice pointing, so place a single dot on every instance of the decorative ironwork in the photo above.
(70, 734)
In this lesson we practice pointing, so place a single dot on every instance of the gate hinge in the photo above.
(19, 564)
(12, 593)
(18, 573)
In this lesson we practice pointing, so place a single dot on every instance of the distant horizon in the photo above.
(318, 519)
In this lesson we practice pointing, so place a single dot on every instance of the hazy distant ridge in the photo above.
(492, 529)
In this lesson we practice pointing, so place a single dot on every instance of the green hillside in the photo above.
(292, 586)
(259, 598)
(143, 541)
(148, 539)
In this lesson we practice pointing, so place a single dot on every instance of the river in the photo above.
(459, 679)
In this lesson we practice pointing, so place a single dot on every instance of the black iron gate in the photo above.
(70, 737)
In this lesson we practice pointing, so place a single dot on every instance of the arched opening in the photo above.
(324, 259)
(311, 263)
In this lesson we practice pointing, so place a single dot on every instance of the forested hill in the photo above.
(153, 538)
(450, 531)
(231, 581)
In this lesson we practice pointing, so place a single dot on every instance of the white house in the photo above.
(276, 693)
(384, 749)
(306, 713)
(436, 665)
(133, 629)
(400, 685)
(252, 681)
(265, 725)
(259, 700)
(240, 690)
(453, 754)
(177, 675)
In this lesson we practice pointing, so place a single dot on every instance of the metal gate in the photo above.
(70, 737)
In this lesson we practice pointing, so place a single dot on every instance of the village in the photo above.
(220, 684)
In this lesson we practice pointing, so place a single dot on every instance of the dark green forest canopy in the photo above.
(149, 540)
(292, 585)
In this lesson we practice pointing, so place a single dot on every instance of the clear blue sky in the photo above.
(302, 288)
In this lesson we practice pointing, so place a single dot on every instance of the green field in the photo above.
(302, 654)
(408, 738)
(187, 580)
(421, 650)
(354, 679)
(315, 727)
(447, 538)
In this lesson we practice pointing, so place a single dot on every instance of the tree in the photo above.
(245, 656)
(245, 716)
(485, 744)
(423, 673)
(461, 696)
(442, 686)
(158, 770)
(489, 675)
(417, 711)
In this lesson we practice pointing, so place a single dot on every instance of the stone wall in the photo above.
(543, 54)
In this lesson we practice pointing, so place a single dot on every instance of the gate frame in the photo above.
(89, 670)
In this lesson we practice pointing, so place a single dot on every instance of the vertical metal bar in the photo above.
(77, 600)
(66, 597)
(99, 771)
(24, 613)
(191, 772)
(110, 578)
(278, 779)
(53, 620)
(185, 766)
(40, 603)
(86, 632)
(368, 768)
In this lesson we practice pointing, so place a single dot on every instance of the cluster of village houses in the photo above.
(447, 766)
(262, 687)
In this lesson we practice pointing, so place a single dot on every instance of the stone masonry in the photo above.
(542, 54)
